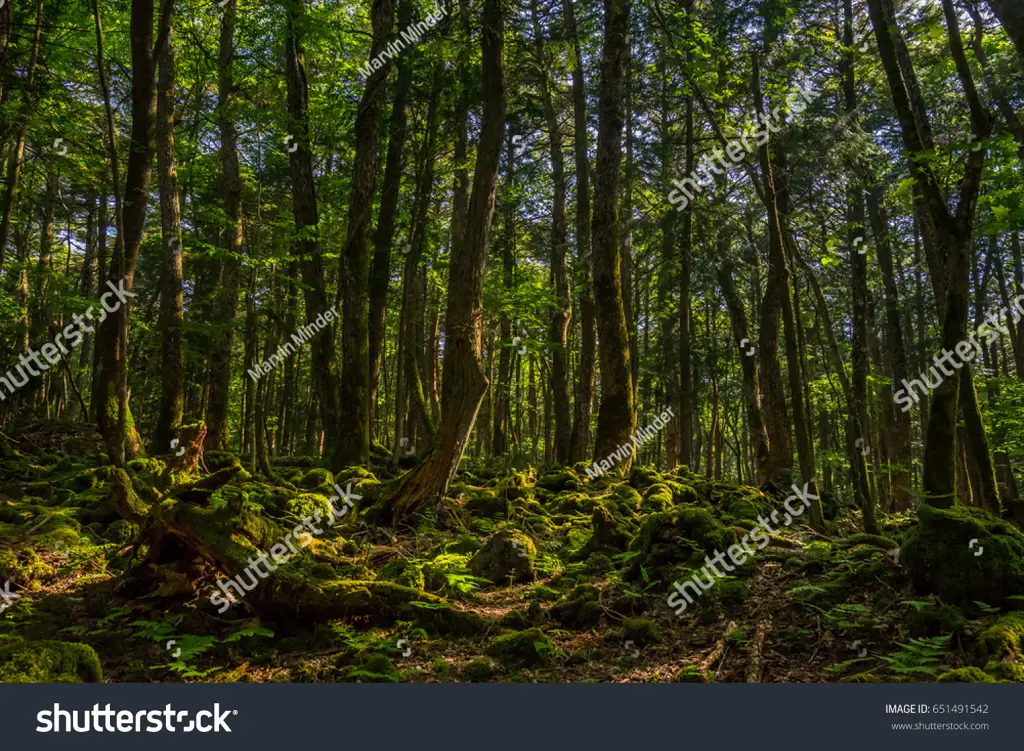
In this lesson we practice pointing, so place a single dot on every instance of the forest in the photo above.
(477, 340)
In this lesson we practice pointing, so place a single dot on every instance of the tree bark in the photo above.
(615, 413)
(463, 368)
(354, 405)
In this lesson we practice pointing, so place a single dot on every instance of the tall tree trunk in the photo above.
(1011, 15)
(562, 312)
(380, 273)
(858, 429)
(110, 386)
(323, 367)
(584, 391)
(14, 163)
(172, 397)
(226, 271)
(354, 431)
(615, 414)
(463, 367)
(899, 432)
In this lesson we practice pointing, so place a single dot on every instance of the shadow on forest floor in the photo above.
(521, 575)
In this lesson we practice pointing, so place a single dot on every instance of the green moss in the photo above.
(480, 670)
(515, 619)
(441, 667)
(876, 541)
(404, 573)
(540, 593)
(316, 479)
(693, 674)
(641, 630)
(49, 662)
(628, 500)
(1002, 670)
(24, 567)
(641, 477)
(1003, 639)
(375, 668)
(308, 505)
(529, 647)
(121, 531)
(565, 479)
(966, 675)
(658, 497)
(941, 559)
(506, 555)
(580, 609)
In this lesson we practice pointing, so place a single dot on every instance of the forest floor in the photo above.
(522, 575)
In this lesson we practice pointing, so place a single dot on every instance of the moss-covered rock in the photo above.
(564, 479)
(627, 499)
(963, 554)
(528, 648)
(309, 505)
(49, 662)
(609, 535)
(683, 536)
(580, 609)
(966, 675)
(1004, 639)
(507, 555)
(658, 497)
(403, 572)
(480, 670)
(121, 531)
(641, 631)
(317, 479)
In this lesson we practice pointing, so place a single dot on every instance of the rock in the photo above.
(49, 662)
(963, 554)
(966, 675)
(506, 555)
(528, 648)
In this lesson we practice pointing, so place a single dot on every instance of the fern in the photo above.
(923, 655)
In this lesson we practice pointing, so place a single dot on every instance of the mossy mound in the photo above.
(657, 498)
(527, 648)
(693, 674)
(609, 535)
(641, 631)
(310, 505)
(506, 556)
(1004, 639)
(566, 479)
(402, 572)
(121, 531)
(580, 609)
(49, 662)
(480, 670)
(963, 554)
(684, 536)
(316, 479)
(966, 675)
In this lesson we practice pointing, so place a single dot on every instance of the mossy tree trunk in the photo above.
(354, 403)
(463, 369)
(615, 413)
(583, 402)
(172, 396)
(226, 270)
(561, 313)
(324, 369)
